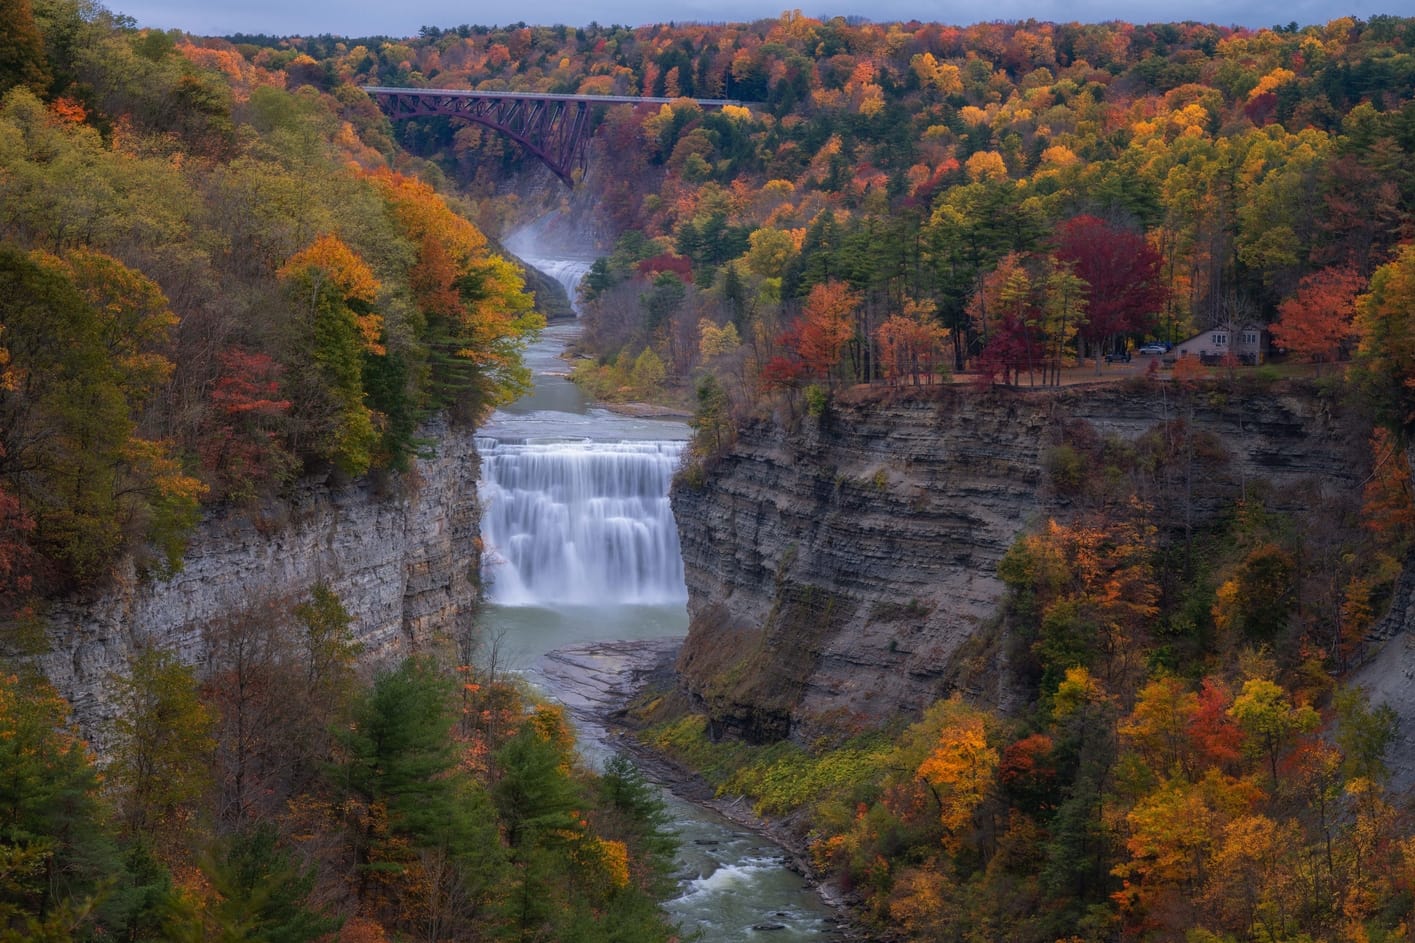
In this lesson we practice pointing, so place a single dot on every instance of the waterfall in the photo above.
(579, 523)
(568, 272)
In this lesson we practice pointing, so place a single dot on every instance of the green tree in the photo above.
(428, 836)
(636, 811)
(260, 894)
(970, 230)
(57, 855)
(161, 758)
(1258, 599)
(539, 806)
(22, 59)
(712, 419)
(1364, 734)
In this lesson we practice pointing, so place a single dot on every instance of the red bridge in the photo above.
(552, 127)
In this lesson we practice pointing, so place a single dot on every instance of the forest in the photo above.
(223, 270)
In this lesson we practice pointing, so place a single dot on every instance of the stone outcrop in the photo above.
(846, 571)
(402, 554)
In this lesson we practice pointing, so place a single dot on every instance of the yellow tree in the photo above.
(1255, 877)
(1159, 726)
(1269, 718)
(1385, 319)
(135, 325)
(961, 771)
(84, 347)
(136, 320)
(1172, 836)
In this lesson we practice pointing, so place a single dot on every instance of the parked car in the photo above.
(1118, 356)
(1154, 349)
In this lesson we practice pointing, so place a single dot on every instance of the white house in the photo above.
(1249, 343)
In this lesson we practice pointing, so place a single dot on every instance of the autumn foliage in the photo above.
(222, 268)
(1317, 321)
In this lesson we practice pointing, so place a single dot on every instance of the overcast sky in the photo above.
(405, 17)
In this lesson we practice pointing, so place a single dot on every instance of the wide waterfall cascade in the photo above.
(580, 523)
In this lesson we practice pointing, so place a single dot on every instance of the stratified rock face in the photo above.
(403, 560)
(847, 572)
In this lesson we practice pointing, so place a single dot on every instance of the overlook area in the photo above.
(985, 449)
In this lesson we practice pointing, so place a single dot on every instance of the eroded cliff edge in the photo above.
(402, 554)
(846, 571)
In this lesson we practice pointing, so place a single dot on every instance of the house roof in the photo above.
(1249, 326)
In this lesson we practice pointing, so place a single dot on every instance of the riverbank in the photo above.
(597, 682)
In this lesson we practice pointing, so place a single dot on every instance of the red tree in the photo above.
(1123, 273)
(827, 325)
(1316, 321)
(1012, 346)
(17, 558)
(668, 262)
(241, 450)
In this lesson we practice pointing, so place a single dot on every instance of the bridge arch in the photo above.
(555, 128)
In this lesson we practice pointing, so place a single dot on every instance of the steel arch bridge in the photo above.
(554, 128)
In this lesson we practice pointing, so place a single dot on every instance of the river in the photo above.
(581, 547)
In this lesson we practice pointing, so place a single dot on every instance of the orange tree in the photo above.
(475, 316)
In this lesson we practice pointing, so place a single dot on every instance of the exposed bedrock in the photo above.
(846, 571)
(402, 555)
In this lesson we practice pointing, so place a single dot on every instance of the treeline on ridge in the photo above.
(215, 280)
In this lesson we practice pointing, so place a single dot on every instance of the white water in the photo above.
(579, 523)
(568, 273)
(581, 546)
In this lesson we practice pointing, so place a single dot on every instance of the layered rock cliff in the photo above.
(1387, 672)
(401, 554)
(846, 571)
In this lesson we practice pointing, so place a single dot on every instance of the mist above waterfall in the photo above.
(564, 255)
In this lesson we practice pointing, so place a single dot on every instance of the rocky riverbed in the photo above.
(596, 681)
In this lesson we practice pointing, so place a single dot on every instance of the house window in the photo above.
(1220, 340)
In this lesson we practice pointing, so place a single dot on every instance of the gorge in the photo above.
(840, 573)
(580, 547)
(839, 568)
(1010, 635)
(846, 573)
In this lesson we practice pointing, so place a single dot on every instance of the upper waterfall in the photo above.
(568, 272)
(567, 265)
(581, 522)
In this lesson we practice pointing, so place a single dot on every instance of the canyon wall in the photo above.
(845, 572)
(402, 554)
(1387, 671)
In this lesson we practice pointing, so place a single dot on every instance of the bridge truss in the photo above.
(555, 128)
